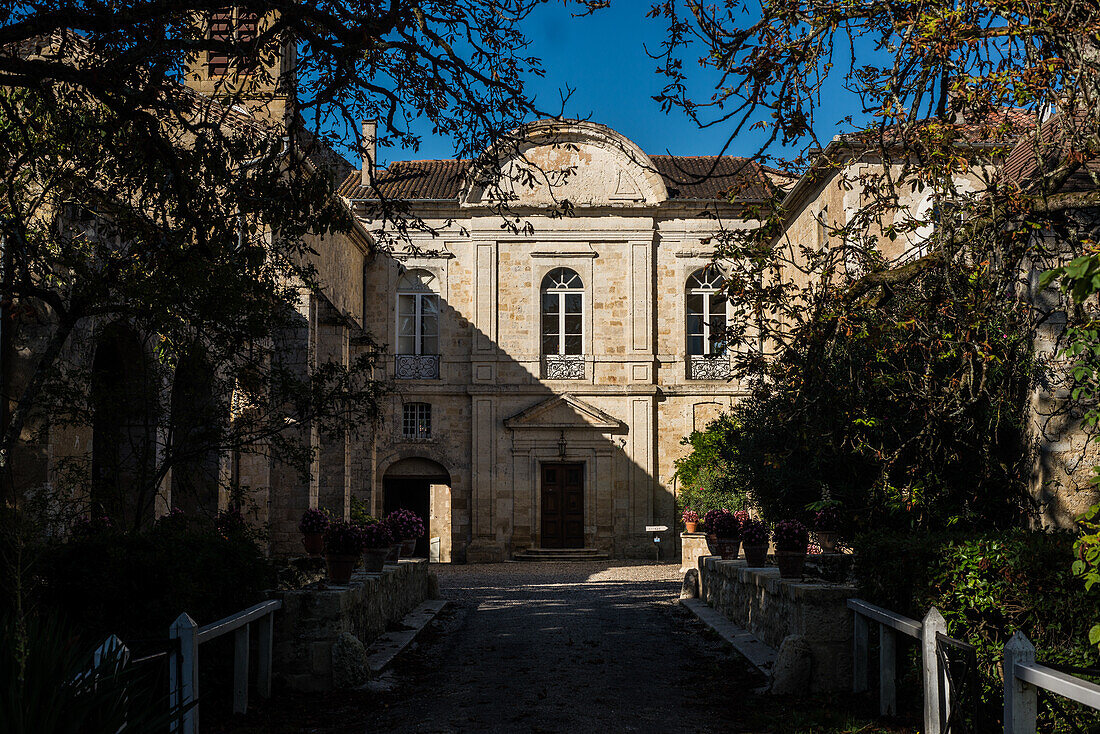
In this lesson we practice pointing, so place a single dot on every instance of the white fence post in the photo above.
(183, 680)
(240, 670)
(887, 671)
(265, 635)
(860, 681)
(936, 695)
(1020, 698)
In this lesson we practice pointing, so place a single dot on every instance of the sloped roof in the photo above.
(701, 178)
(1035, 154)
(1001, 126)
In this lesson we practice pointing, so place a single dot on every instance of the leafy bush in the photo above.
(707, 476)
(987, 587)
(135, 584)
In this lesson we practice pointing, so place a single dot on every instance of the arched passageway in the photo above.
(123, 401)
(423, 486)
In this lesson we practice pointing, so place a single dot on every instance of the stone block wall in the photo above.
(314, 618)
(693, 546)
(783, 613)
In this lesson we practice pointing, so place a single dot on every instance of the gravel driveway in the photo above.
(577, 647)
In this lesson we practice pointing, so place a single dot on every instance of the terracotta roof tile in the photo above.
(706, 178)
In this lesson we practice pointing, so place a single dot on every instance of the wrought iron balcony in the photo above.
(709, 367)
(416, 367)
(563, 367)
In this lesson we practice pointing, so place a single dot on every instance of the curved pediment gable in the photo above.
(555, 164)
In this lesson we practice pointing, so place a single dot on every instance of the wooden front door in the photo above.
(562, 506)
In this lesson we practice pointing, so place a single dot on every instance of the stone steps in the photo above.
(560, 555)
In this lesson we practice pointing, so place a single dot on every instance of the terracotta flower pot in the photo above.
(339, 568)
(374, 559)
(408, 547)
(690, 527)
(394, 554)
(728, 548)
(826, 539)
(756, 556)
(790, 563)
(314, 543)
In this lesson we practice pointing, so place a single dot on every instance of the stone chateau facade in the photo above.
(543, 379)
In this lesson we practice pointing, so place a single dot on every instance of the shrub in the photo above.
(376, 535)
(791, 536)
(360, 512)
(135, 584)
(987, 586)
(405, 524)
(708, 475)
(344, 539)
(827, 518)
(754, 532)
(313, 521)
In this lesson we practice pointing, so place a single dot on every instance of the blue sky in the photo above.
(603, 58)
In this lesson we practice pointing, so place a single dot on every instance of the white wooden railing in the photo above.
(1022, 675)
(934, 679)
(1023, 679)
(183, 669)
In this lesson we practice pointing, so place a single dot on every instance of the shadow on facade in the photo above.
(529, 462)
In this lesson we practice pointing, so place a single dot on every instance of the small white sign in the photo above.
(656, 540)
(656, 528)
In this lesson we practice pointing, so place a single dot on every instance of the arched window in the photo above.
(417, 314)
(562, 313)
(706, 313)
(197, 422)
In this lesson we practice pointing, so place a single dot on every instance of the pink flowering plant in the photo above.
(91, 526)
(343, 538)
(791, 535)
(690, 516)
(723, 524)
(376, 535)
(742, 517)
(313, 521)
(405, 524)
(754, 532)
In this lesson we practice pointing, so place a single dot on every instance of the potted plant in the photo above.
(727, 534)
(343, 545)
(826, 521)
(313, 525)
(754, 536)
(708, 528)
(406, 527)
(791, 540)
(377, 541)
(691, 521)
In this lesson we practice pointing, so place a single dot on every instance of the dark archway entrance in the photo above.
(562, 506)
(422, 486)
(196, 434)
(123, 429)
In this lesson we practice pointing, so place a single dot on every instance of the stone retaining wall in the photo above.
(323, 622)
(807, 622)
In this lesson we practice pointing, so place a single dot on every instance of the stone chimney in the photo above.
(369, 148)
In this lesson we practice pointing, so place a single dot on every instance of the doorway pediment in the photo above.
(563, 413)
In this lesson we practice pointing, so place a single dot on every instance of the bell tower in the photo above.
(242, 67)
